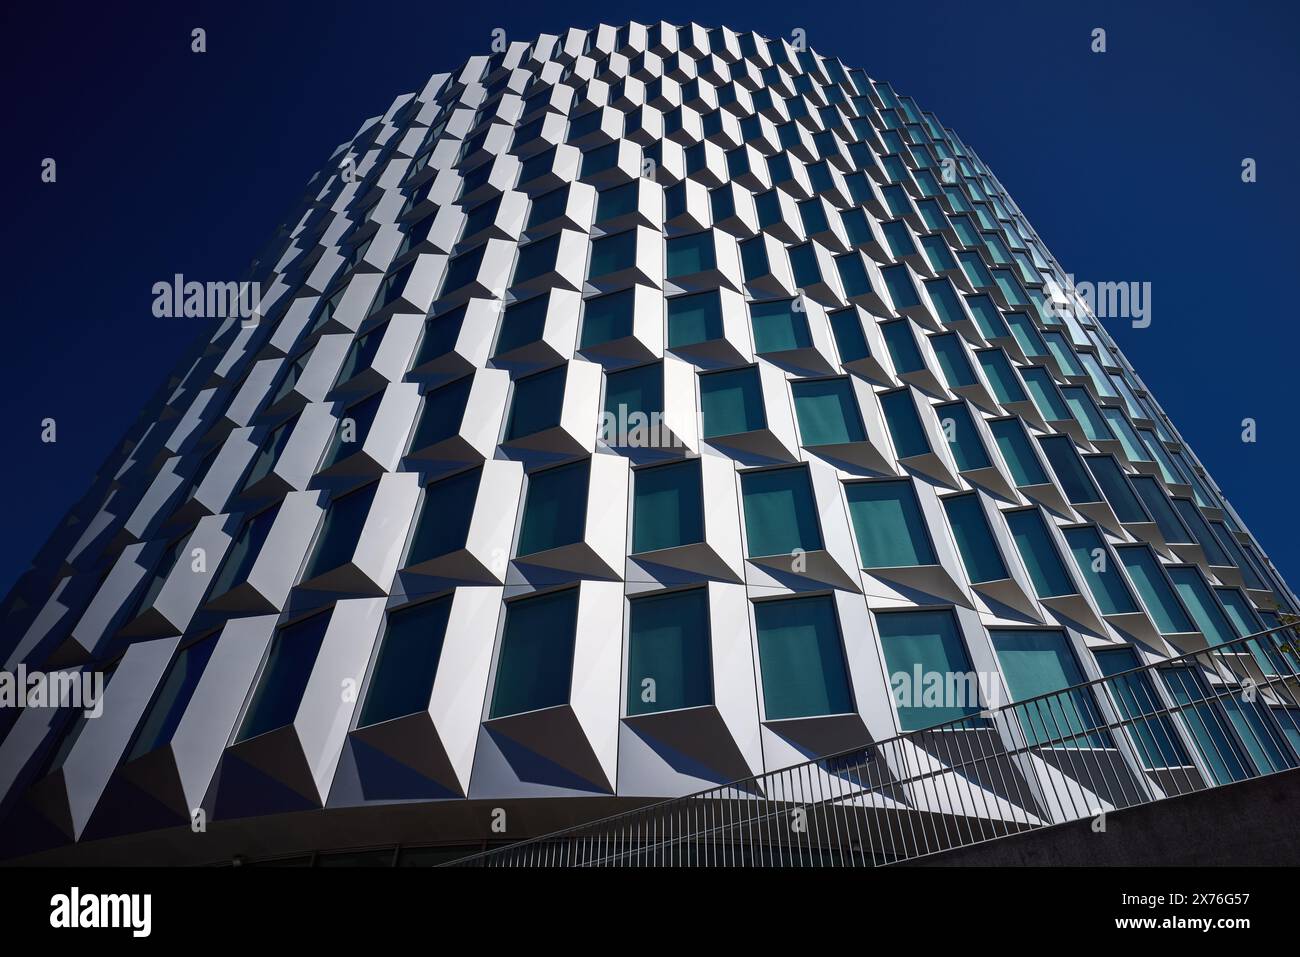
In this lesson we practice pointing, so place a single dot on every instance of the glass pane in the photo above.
(284, 676)
(445, 514)
(407, 662)
(668, 507)
(904, 424)
(827, 412)
(778, 327)
(1100, 571)
(173, 697)
(1037, 662)
(930, 674)
(731, 402)
(607, 318)
(779, 512)
(1034, 542)
(975, 542)
(555, 509)
(538, 403)
(341, 530)
(693, 319)
(668, 653)
(889, 526)
(535, 667)
(1135, 698)
(801, 659)
(1156, 594)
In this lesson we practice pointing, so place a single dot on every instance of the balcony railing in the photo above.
(1206, 719)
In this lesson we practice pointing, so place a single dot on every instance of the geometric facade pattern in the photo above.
(626, 409)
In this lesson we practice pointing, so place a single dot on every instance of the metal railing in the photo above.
(1205, 719)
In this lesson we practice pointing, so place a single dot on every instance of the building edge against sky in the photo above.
(625, 411)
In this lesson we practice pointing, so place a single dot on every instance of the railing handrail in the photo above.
(954, 724)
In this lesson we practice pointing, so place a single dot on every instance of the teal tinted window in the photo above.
(284, 677)
(963, 436)
(174, 694)
(753, 259)
(1036, 547)
(1002, 378)
(1195, 521)
(607, 318)
(1046, 396)
(1207, 724)
(668, 506)
(1038, 662)
(1074, 478)
(619, 201)
(1086, 414)
(1026, 333)
(901, 290)
(1128, 437)
(535, 668)
(779, 512)
(536, 258)
(407, 662)
(945, 300)
(975, 541)
(441, 413)
(801, 658)
(853, 275)
(1135, 698)
(669, 665)
(610, 254)
(890, 528)
(340, 531)
(731, 402)
(1105, 580)
(1064, 355)
(827, 412)
(987, 317)
(902, 347)
(693, 319)
(953, 360)
(904, 424)
(917, 646)
(1211, 621)
(778, 326)
(849, 337)
(555, 510)
(522, 323)
(629, 395)
(537, 404)
(1159, 598)
(690, 254)
(445, 514)
(1114, 485)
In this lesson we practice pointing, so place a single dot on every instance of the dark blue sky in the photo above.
(1127, 163)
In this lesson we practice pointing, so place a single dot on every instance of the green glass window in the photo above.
(609, 254)
(1114, 485)
(1207, 724)
(668, 506)
(1038, 662)
(522, 323)
(1100, 572)
(1002, 378)
(536, 258)
(963, 436)
(174, 694)
(827, 412)
(340, 531)
(1046, 396)
(1128, 437)
(445, 514)
(407, 662)
(901, 290)
(902, 346)
(535, 667)
(987, 318)
(1211, 621)
(636, 390)
(690, 254)
(1034, 542)
(890, 528)
(849, 337)
(555, 509)
(607, 318)
(537, 404)
(945, 300)
(1086, 414)
(612, 203)
(918, 644)
(801, 658)
(694, 319)
(1163, 606)
(441, 413)
(975, 541)
(953, 360)
(669, 666)
(904, 424)
(731, 402)
(1026, 333)
(778, 326)
(1075, 480)
(779, 512)
(1064, 355)
(1135, 698)
(284, 677)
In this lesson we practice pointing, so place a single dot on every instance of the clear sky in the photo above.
(1128, 164)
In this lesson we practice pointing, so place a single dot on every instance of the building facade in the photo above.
(631, 411)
